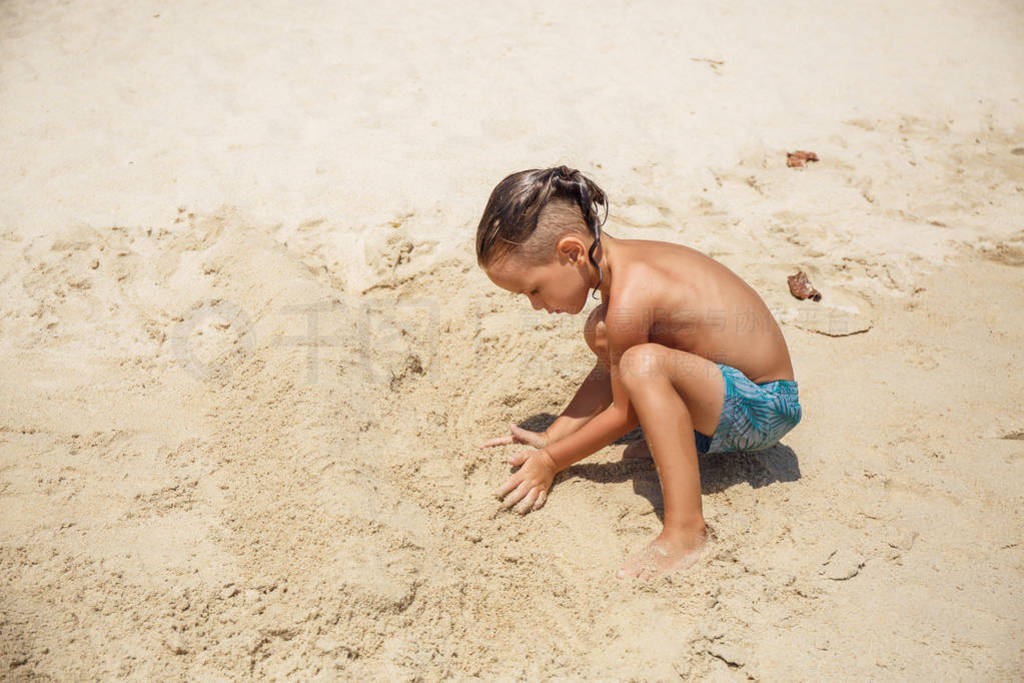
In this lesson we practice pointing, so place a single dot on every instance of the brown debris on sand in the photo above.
(799, 158)
(800, 287)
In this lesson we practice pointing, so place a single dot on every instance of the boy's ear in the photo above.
(572, 249)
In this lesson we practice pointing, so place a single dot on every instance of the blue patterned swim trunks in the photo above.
(754, 416)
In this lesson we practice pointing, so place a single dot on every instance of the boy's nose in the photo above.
(535, 302)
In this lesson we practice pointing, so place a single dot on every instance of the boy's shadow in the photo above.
(718, 471)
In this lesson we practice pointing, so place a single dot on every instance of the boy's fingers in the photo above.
(509, 484)
(515, 496)
(519, 432)
(526, 436)
(527, 504)
(500, 441)
(519, 458)
(540, 500)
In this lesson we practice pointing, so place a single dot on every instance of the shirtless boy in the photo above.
(684, 347)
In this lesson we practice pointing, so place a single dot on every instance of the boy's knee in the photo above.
(641, 362)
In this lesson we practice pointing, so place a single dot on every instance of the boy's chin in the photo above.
(578, 306)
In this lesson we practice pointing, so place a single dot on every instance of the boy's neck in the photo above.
(606, 259)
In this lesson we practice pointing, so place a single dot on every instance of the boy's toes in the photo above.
(650, 573)
(633, 566)
(628, 571)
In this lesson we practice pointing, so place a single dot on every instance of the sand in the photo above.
(246, 352)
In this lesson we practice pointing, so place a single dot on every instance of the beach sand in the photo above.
(246, 352)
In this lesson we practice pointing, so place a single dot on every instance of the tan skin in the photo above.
(669, 313)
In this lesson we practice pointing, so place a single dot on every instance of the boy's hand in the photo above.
(519, 435)
(530, 483)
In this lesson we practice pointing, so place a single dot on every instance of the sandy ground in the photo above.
(245, 351)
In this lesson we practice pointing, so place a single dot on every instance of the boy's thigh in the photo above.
(697, 380)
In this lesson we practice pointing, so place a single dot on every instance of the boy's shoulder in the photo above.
(657, 273)
(644, 290)
(656, 268)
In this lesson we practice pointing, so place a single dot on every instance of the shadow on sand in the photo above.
(541, 421)
(718, 471)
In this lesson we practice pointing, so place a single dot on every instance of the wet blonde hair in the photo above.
(515, 206)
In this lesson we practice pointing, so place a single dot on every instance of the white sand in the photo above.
(183, 492)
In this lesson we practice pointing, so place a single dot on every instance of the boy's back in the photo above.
(689, 301)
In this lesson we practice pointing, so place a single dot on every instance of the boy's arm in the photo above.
(619, 417)
(528, 486)
(611, 424)
(593, 396)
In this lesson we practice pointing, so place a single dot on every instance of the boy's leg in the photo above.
(673, 393)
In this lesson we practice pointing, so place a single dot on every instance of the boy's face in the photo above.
(559, 286)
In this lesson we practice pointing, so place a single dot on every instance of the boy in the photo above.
(684, 347)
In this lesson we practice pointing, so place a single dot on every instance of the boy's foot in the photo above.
(663, 555)
(637, 450)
